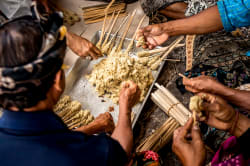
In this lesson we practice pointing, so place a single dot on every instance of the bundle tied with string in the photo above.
(23, 86)
(178, 115)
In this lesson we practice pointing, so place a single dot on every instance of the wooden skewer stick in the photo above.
(130, 46)
(155, 51)
(107, 48)
(173, 60)
(98, 45)
(125, 32)
(173, 107)
(174, 99)
(110, 29)
(171, 47)
(181, 75)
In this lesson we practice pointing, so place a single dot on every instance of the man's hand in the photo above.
(106, 122)
(103, 123)
(191, 151)
(82, 47)
(202, 84)
(154, 35)
(218, 112)
(129, 95)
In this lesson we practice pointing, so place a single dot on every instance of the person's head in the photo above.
(26, 79)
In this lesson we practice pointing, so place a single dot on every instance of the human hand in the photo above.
(81, 46)
(218, 113)
(202, 84)
(105, 122)
(129, 95)
(154, 35)
(189, 147)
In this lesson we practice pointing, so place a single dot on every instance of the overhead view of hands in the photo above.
(202, 84)
(103, 123)
(81, 46)
(217, 110)
(129, 95)
(154, 35)
(188, 145)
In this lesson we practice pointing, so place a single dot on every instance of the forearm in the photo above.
(242, 125)
(123, 131)
(90, 129)
(205, 22)
(237, 97)
(69, 38)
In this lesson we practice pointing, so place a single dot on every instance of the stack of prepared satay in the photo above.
(71, 112)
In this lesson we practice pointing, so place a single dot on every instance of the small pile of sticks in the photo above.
(96, 13)
(69, 17)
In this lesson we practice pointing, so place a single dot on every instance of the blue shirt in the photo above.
(42, 139)
(234, 13)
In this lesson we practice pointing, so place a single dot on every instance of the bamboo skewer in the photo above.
(168, 108)
(178, 115)
(174, 100)
(110, 30)
(125, 32)
(110, 44)
(171, 47)
(155, 51)
(98, 45)
(160, 137)
(130, 46)
(96, 13)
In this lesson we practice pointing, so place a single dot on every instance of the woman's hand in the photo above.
(81, 46)
(191, 151)
(154, 35)
(218, 112)
(129, 95)
(202, 84)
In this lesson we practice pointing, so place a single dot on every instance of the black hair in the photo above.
(20, 42)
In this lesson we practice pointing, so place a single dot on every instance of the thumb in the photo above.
(196, 134)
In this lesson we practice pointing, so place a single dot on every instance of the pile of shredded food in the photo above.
(108, 75)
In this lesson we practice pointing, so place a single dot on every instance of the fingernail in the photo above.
(196, 127)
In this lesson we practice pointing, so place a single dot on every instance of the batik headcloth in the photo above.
(27, 84)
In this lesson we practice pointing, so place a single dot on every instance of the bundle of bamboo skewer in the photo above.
(96, 13)
(69, 17)
(178, 115)
(170, 104)
(160, 137)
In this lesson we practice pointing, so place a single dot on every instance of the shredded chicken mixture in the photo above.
(108, 75)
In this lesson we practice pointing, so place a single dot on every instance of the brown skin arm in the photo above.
(221, 115)
(205, 22)
(81, 46)
(103, 123)
(129, 96)
(190, 151)
(210, 85)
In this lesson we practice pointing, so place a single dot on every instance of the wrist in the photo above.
(241, 126)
